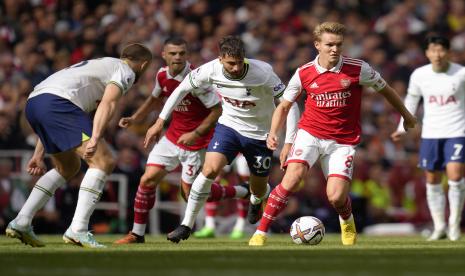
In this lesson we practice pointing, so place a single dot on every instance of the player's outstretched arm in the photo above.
(104, 113)
(204, 128)
(393, 98)
(141, 113)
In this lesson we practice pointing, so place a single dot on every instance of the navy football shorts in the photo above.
(230, 142)
(60, 124)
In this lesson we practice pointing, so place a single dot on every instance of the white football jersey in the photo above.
(84, 83)
(443, 100)
(248, 102)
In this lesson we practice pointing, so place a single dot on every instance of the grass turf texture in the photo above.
(222, 256)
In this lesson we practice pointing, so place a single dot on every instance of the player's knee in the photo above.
(148, 181)
(70, 169)
(210, 172)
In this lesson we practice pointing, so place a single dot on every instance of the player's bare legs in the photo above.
(436, 200)
(337, 191)
(143, 203)
(277, 200)
(456, 196)
(101, 163)
(200, 190)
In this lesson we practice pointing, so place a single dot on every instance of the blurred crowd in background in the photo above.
(39, 37)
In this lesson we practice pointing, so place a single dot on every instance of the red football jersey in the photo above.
(332, 106)
(190, 112)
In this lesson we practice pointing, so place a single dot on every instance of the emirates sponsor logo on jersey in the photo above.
(345, 83)
(183, 106)
(331, 99)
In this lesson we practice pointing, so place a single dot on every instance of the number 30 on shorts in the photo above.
(262, 163)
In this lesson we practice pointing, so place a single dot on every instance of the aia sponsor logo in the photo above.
(441, 100)
(239, 103)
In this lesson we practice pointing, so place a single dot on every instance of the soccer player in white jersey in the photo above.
(184, 143)
(58, 110)
(441, 84)
(247, 88)
(329, 128)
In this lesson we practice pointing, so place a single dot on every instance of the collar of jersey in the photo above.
(246, 69)
(179, 77)
(335, 69)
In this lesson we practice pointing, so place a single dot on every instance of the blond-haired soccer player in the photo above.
(58, 111)
(441, 84)
(329, 128)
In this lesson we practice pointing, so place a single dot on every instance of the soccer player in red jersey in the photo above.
(184, 142)
(329, 128)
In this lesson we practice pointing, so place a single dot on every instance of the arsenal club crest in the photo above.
(345, 83)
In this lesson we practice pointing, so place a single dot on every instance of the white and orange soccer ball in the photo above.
(307, 230)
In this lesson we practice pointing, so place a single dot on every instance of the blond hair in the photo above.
(329, 27)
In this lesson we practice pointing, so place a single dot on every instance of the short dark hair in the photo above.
(437, 39)
(136, 52)
(175, 40)
(231, 46)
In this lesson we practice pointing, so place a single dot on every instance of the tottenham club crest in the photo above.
(345, 83)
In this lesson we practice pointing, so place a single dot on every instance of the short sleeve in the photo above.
(294, 88)
(371, 78)
(275, 84)
(156, 91)
(123, 77)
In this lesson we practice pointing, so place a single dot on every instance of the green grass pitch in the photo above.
(222, 256)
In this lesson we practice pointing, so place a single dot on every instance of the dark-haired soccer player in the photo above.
(441, 84)
(185, 141)
(58, 110)
(248, 89)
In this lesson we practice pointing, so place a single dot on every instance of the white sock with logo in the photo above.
(89, 194)
(198, 196)
(437, 205)
(44, 188)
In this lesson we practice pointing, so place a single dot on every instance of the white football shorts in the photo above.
(336, 160)
(168, 156)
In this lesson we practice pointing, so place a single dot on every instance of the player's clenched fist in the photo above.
(126, 122)
(36, 166)
(272, 141)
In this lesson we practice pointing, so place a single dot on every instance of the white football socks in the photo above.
(89, 194)
(254, 200)
(241, 192)
(456, 196)
(210, 222)
(198, 196)
(240, 224)
(44, 188)
(139, 229)
(437, 205)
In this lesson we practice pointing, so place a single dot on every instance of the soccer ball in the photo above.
(307, 230)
